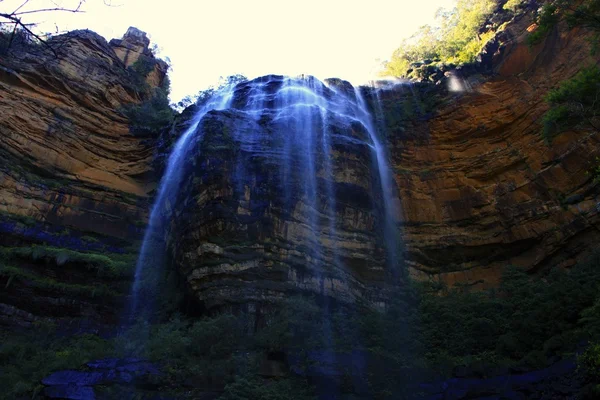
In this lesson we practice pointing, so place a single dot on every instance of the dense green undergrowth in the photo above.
(528, 322)
(104, 264)
(27, 357)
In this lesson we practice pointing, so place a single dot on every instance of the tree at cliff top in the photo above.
(456, 39)
(17, 28)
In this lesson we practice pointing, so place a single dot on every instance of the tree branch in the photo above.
(21, 6)
(73, 10)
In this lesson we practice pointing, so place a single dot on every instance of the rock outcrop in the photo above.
(71, 174)
(280, 200)
(480, 187)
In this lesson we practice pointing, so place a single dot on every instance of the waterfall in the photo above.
(390, 208)
(292, 126)
(152, 253)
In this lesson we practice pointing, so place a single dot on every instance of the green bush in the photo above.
(574, 104)
(588, 364)
(105, 264)
(151, 117)
(585, 14)
(252, 388)
(513, 5)
(28, 357)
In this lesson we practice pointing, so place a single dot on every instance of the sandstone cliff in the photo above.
(72, 176)
(479, 186)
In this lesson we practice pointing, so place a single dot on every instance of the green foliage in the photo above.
(139, 71)
(251, 388)
(527, 321)
(143, 65)
(204, 95)
(513, 5)
(153, 115)
(150, 117)
(589, 362)
(574, 104)
(585, 14)
(456, 40)
(39, 281)
(208, 349)
(30, 356)
(107, 264)
(546, 19)
(296, 326)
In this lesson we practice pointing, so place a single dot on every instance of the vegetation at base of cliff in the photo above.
(456, 40)
(528, 322)
(252, 387)
(105, 264)
(27, 358)
(14, 274)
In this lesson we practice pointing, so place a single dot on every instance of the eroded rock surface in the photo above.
(481, 188)
(72, 175)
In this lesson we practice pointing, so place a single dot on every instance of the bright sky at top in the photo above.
(206, 39)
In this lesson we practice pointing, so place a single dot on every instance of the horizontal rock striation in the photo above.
(480, 187)
(279, 199)
(71, 173)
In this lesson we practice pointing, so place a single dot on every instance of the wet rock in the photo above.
(78, 378)
(105, 372)
(70, 392)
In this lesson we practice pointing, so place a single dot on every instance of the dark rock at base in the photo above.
(78, 378)
(70, 392)
(69, 384)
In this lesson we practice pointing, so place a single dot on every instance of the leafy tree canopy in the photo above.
(455, 39)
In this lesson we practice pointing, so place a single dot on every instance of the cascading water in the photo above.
(152, 253)
(390, 229)
(293, 148)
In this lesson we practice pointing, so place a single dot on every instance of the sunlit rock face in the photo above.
(281, 195)
(134, 47)
(481, 188)
(66, 154)
(72, 177)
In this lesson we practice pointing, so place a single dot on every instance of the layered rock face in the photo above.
(282, 191)
(71, 174)
(281, 195)
(480, 187)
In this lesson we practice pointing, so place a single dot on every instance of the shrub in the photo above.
(589, 363)
(151, 117)
(251, 388)
(30, 356)
(513, 5)
(574, 104)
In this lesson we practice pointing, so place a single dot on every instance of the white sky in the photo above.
(206, 39)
